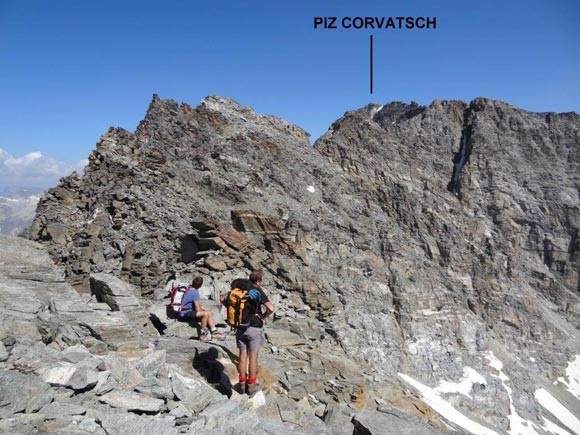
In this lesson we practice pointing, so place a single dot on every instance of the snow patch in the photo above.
(435, 401)
(554, 428)
(557, 410)
(573, 375)
(465, 385)
(311, 189)
(518, 425)
(376, 110)
(495, 363)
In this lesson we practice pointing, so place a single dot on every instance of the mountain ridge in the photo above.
(489, 262)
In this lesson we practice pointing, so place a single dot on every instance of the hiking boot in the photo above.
(252, 389)
(204, 337)
(241, 387)
(217, 336)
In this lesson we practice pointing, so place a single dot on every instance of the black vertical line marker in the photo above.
(371, 65)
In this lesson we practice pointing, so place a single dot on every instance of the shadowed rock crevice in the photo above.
(189, 249)
(461, 159)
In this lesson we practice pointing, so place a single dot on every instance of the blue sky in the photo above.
(70, 69)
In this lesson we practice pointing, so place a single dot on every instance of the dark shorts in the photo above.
(190, 315)
(250, 338)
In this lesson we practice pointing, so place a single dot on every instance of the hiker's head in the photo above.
(197, 282)
(256, 277)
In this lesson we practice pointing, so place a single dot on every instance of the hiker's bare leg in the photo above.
(253, 363)
(210, 321)
(202, 315)
(243, 362)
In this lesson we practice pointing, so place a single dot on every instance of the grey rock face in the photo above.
(159, 388)
(227, 418)
(338, 419)
(127, 424)
(3, 352)
(193, 393)
(410, 239)
(380, 423)
(150, 365)
(21, 423)
(300, 417)
(132, 401)
(123, 372)
(55, 408)
(83, 379)
(114, 292)
(39, 306)
(22, 393)
(60, 375)
(105, 383)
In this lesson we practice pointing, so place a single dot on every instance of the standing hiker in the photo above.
(244, 312)
(191, 309)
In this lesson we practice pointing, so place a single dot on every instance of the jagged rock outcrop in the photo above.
(410, 242)
(68, 366)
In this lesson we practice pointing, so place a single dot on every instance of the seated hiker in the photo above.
(191, 309)
(248, 320)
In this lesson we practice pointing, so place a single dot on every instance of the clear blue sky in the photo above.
(69, 69)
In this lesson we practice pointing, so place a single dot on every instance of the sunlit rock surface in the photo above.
(409, 240)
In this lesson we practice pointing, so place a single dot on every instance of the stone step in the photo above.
(209, 243)
(202, 254)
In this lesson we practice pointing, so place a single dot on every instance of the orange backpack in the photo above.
(239, 308)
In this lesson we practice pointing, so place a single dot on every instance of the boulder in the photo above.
(59, 376)
(117, 294)
(151, 363)
(130, 424)
(193, 393)
(338, 419)
(83, 379)
(22, 393)
(132, 401)
(227, 417)
(62, 409)
(21, 423)
(105, 383)
(378, 423)
(122, 371)
(297, 416)
(159, 388)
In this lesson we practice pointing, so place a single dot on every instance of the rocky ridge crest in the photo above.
(410, 240)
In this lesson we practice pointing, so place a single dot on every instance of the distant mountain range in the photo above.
(17, 210)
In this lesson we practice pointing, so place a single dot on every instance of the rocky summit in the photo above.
(424, 262)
